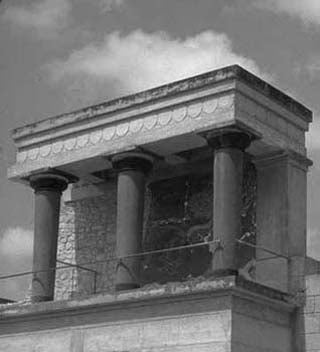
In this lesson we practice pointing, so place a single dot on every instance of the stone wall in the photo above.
(311, 312)
(223, 315)
(87, 236)
(178, 212)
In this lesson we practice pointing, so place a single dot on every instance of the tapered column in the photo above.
(227, 184)
(132, 170)
(48, 188)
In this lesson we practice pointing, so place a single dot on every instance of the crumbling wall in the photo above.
(178, 212)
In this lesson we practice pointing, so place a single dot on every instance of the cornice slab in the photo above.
(216, 77)
(195, 116)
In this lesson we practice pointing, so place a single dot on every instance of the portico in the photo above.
(209, 171)
(222, 116)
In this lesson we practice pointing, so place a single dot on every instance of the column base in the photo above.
(125, 287)
(37, 299)
(221, 272)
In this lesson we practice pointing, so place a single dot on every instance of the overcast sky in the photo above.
(59, 55)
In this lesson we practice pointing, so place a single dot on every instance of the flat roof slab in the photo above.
(177, 113)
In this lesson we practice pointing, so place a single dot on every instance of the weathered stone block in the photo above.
(199, 315)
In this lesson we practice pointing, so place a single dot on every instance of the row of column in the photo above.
(133, 169)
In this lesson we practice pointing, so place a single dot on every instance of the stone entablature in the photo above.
(218, 99)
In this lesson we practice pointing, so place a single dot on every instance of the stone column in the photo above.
(132, 170)
(48, 188)
(227, 189)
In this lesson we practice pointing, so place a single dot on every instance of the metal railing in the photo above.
(118, 259)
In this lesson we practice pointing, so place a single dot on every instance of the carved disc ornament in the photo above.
(199, 110)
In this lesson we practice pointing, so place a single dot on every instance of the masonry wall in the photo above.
(189, 333)
(260, 328)
(224, 315)
(178, 212)
(87, 238)
(128, 322)
(311, 311)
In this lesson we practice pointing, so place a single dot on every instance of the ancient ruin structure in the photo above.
(182, 224)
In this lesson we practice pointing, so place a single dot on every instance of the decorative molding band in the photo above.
(115, 131)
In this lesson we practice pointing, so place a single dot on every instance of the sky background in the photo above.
(61, 55)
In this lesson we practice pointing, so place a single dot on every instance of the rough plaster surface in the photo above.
(202, 332)
(172, 333)
(260, 335)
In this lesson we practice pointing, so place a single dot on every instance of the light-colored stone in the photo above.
(225, 315)
(87, 236)
(111, 128)
(191, 316)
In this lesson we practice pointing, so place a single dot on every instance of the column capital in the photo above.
(51, 181)
(232, 139)
(132, 161)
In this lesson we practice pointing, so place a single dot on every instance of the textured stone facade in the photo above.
(178, 212)
(310, 314)
(191, 311)
(87, 237)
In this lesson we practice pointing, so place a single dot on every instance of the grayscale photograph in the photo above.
(160, 176)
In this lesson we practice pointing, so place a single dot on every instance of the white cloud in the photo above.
(16, 241)
(16, 247)
(122, 64)
(306, 10)
(109, 5)
(45, 17)
(311, 66)
(309, 71)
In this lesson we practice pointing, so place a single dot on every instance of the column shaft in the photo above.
(48, 189)
(130, 208)
(46, 222)
(227, 204)
(227, 189)
(129, 227)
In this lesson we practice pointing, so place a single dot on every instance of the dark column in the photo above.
(48, 188)
(227, 189)
(132, 170)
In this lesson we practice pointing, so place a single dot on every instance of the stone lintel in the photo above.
(220, 99)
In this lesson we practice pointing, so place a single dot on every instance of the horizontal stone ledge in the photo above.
(211, 78)
(168, 293)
